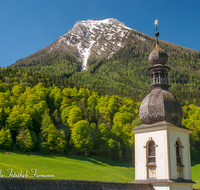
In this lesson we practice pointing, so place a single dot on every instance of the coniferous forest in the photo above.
(125, 73)
(54, 114)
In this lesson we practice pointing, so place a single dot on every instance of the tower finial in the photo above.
(156, 33)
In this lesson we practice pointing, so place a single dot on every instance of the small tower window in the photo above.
(178, 156)
(179, 159)
(151, 79)
(151, 158)
(162, 75)
(156, 78)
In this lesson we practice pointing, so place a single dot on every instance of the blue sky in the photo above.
(27, 26)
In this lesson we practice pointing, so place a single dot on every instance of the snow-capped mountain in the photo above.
(87, 39)
(94, 37)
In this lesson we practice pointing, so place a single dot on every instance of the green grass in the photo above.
(76, 167)
(68, 167)
(196, 174)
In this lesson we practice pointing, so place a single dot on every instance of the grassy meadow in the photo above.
(67, 167)
(74, 167)
(196, 174)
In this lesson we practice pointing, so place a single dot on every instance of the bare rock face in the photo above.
(77, 30)
(160, 105)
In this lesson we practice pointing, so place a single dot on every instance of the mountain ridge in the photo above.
(97, 38)
(123, 72)
(82, 42)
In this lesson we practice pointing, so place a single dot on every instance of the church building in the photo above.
(162, 147)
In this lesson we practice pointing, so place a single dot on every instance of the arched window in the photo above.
(151, 157)
(180, 166)
(178, 155)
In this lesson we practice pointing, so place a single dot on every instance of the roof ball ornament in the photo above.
(156, 33)
(158, 55)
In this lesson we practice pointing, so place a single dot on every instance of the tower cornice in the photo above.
(161, 126)
(159, 67)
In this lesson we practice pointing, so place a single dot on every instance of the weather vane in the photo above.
(156, 23)
(156, 33)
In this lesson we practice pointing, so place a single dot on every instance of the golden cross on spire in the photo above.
(156, 22)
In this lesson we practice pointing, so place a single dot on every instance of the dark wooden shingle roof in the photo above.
(54, 184)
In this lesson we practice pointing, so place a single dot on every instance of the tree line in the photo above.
(68, 120)
(36, 115)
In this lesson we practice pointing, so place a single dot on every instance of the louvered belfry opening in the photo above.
(151, 153)
(178, 156)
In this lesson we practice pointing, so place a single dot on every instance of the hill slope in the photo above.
(121, 65)
(75, 167)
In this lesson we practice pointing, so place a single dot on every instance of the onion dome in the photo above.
(160, 105)
(158, 56)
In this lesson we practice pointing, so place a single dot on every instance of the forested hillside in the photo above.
(126, 72)
(71, 120)
(37, 115)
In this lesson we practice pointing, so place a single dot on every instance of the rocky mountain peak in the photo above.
(95, 38)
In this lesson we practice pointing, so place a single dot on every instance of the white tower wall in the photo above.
(141, 140)
(173, 136)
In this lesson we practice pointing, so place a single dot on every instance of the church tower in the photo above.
(162, 149)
